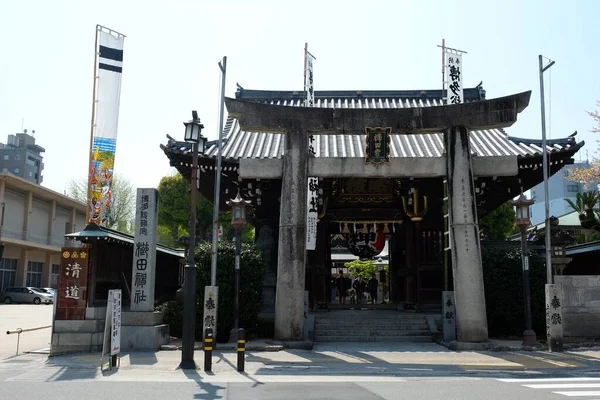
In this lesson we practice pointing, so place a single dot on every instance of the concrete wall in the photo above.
(62, 217)
(581, 305)
(14, 214)
(38, 222)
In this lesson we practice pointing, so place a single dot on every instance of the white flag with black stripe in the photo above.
(109, 68)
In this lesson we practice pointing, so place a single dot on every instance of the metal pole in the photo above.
(529, 337)
(545, 166)
(87, 189)
(189, 305)
(238, 252)
(215, 238)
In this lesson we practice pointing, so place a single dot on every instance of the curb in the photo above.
(268, 345)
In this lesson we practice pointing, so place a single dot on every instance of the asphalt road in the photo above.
(361, 388)
(13, 316)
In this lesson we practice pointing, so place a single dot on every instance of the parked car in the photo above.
(48, 290)
(25, 295)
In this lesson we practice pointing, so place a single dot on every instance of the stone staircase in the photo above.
(371, 326)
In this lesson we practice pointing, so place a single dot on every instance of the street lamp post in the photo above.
(238, 221)
(193, 135)
(523, 221)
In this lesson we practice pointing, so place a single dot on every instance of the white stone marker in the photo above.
(554, 317)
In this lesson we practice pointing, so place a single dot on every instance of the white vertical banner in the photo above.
(309, 91)
(143, 271)
(454, 79)
(105, 120)
(312, 213)
(313, 182)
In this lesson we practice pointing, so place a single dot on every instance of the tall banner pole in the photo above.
(108, 68)
(92, 124)
(213, 261)
(211, 293)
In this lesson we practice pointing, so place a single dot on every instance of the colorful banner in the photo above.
(107, 89)
(454, 77)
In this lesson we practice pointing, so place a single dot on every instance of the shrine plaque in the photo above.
(72, 284)
(378, 145)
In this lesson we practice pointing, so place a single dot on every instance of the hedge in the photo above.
(503, 280)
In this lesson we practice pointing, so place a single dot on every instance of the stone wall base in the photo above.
(139, 331)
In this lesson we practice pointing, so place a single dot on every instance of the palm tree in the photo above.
(589, 217)
(585, 203)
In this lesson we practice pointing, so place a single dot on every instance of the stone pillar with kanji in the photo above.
(143, 271)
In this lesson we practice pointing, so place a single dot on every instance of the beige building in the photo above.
(33, 222)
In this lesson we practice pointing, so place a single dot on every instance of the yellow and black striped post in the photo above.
(241, 349)
(208, 348)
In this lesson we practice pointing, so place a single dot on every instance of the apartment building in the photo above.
(22, 157)
(33, 222)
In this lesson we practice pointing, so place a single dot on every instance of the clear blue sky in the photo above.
(173, 47)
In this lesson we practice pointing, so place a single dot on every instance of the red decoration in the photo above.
(366, 245)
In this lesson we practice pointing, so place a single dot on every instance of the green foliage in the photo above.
(123, 195)
(264, 328)
(174, 207)
(173, 316)
(366, 268)
(503, 280)
(252, 274)
(248, 234)
(498, 224)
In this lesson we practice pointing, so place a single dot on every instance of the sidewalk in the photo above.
(266, 361)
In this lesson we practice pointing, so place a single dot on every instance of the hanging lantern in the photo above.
(366, 245)
(412, 206)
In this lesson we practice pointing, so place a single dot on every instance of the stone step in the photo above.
(374, 327)
(371, 320)
(372, 314)
(367, 332)
(390, 339)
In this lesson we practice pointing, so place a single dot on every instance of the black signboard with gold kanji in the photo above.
(378, 145)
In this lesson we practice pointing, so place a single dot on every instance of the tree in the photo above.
(589, 176)
(365, 268)
(498, 224)
(585, 205)
(174, 209)
(123, 195)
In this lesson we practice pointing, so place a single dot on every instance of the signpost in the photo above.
(72, 285)
(111, 345)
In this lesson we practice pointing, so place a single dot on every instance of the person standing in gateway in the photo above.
(341, 283)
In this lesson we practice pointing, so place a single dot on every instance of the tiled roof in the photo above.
(487, 143)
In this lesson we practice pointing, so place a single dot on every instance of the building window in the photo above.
(6, 157)
(8, 273)
(17, 157)
(573, 188)
(4, 169)
(54, 275)
(34, 273)
(16, 170)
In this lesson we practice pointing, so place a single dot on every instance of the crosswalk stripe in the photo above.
(525, 380)
(564, 386)
(579, 393)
